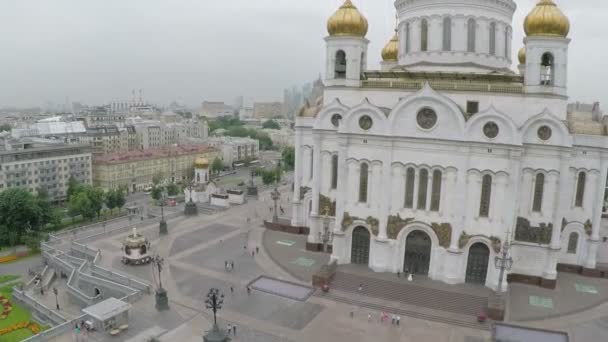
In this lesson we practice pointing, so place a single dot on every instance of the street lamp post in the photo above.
(56, 299)
(326, 236)
(190, 209)
(276, 196)
(214, 301)
(163, 224)
(162, 300)
(503, 262)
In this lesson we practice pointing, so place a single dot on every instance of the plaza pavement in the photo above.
(197, 247)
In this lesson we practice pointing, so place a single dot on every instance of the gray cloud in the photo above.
(194, 50)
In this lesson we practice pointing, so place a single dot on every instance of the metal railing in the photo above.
(455, 85)
(26, 300)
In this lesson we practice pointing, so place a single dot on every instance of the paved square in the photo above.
(585, 288)
(282, 288)
(541, 302)
(192, 239)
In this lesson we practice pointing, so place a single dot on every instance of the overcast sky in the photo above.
(96, 51)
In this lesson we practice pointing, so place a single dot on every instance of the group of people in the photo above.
(229, 265)
(231, 329)
(384, 316)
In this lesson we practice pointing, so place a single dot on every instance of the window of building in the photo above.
(407, 37)
(340, 66)
(486, 194)
(447, 34)
(363, 174)
(436, 190)
(572, 243)
(312, 160)
(547, 69)
(423, 182)
(539, 186)
(472, 107)
(492, 39)
(580, 189)
(424, 35)
(410, 178)
(471, 35)
(334, 172)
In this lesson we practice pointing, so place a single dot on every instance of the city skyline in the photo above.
(189, 52)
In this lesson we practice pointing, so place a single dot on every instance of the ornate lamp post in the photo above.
(276, 196)
(191, 209)
(252, 190)
(162, 301)
(162, 228)
(503, 262)
(214, 301)
(326, 237)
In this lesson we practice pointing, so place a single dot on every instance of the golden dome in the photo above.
(390, 53)
(201, 163)
(546, 19)
(521, 55)
(347, 21)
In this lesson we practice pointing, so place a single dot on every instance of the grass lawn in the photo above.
(17, 315)
(4, 278)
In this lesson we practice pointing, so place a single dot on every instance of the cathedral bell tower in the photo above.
(546, 50)
(346, 46)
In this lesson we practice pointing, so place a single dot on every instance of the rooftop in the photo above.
(155, 153)
(107, 309)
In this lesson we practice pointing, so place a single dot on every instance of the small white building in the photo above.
(203, 186)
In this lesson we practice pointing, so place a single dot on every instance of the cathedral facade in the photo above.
(431, 163)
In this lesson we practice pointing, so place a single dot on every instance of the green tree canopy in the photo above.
(172, 189)
(157, 192)
(21, 211)
(271, 124)
(6, 127)
(110, 199)
(157, 179)
(73, 187)
(289, 157)
(217, 165)
(119, 197)
(80, 204)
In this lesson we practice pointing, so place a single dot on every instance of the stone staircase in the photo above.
(410, 299)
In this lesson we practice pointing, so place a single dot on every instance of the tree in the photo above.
(157, 179)
(157, 192)
(73, 187)
(265, 141)
(55, 223)
(5, 127)
(217, 166)
(120, 199)
(110, 199)
(289, 157)
(80, 204)
(96, 196)
(271, 124)
(20, 212)
(172, 189)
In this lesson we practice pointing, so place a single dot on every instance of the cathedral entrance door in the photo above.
(477, 264)
(417, 253)
(360, 246)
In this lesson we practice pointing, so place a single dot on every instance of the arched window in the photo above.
(424, 35)
(436, 190)
(334, 171)
(363, 183)
(580, 189)
(340, 67)
(471, 34)
(423, 182)
(486, 194)
(547, 68)
(407, 37)
(410, 178)
(572, 243)
(539, 187)
(447, 34)
(492, 39)
(507, 41)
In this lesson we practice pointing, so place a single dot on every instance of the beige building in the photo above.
(268, 110)
(136, 169)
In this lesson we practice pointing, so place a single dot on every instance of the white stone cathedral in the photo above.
(429, 164)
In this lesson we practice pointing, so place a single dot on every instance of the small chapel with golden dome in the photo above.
(432, 163)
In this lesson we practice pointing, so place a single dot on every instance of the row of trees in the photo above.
(236, 128)
(88, 201)
(24, 216)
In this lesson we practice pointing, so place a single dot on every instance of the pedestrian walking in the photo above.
(231, 290)
(393, 319)
(352, 314)
(257, 250)
(234, 330)
(369, 317)
(398, 274)
(229, 329)
(248, 290)
(360, 288)
(398, 320)
(252, 254)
